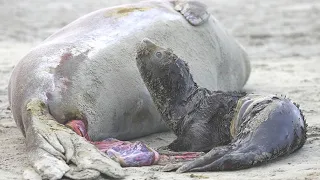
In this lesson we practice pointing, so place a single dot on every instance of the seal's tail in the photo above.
(282, 133)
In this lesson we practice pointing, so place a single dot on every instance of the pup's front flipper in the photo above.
(53, 149)
(195, 12)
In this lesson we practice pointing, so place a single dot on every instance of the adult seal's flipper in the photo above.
(55, 150)
(195, 12)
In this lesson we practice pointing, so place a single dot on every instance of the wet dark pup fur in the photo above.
(236, 129)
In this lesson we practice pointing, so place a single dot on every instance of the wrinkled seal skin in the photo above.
(87, 71)
(239, 130)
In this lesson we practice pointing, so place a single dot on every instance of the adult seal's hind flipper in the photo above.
(195, 12)
(240, 130)
(53, 147)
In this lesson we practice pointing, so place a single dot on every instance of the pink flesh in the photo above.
(132, 154)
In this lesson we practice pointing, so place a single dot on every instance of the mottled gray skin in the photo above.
(87, 71)
(239, 130)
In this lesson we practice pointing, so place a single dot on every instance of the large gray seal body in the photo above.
(87, 70)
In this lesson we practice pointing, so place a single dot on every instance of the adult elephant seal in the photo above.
(87, 71)
(239, 130)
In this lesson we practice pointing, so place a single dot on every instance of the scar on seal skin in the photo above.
(236, 129)
(124, 11)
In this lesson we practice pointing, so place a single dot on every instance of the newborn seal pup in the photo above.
(87, 71)
(239, 130)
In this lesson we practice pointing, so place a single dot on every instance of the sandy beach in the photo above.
(282, 38)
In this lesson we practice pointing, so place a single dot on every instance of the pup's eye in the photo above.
(159, 55)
